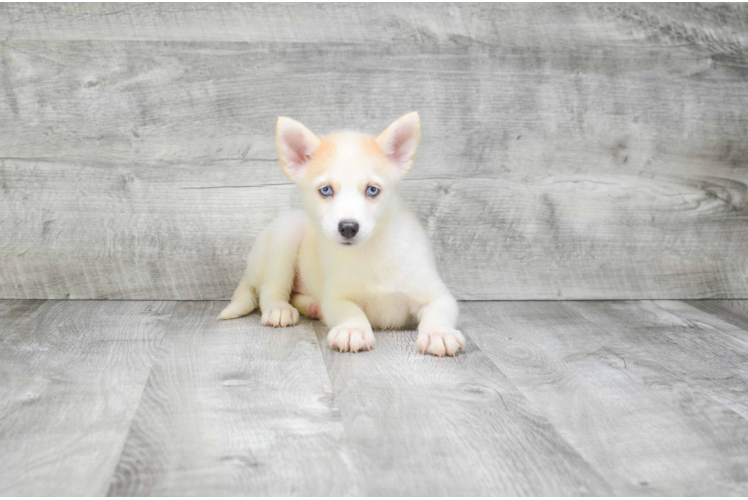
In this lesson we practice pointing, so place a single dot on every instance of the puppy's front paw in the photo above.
(349, 337)
(440, 341)
(282, 314)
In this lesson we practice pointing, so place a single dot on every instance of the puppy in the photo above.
(356, 257)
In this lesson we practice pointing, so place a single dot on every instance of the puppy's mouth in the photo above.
(347, 243)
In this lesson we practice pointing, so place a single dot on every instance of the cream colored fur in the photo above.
(383, 277)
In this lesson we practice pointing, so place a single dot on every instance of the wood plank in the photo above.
(569, 151)
(507, 24)
(214, 102)
(234, 408)
(555, 237)
(149, 237)
(706, 352)
(732, 311)
(71, 377)
(425, 426)
(654, 402)
(727, 334)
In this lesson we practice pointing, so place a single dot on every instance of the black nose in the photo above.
(348, 228)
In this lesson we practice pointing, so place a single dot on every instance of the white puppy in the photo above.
(357, 257)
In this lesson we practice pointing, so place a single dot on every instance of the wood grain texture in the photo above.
(426, 426)
(485, 24)
(652, 394)
(569, 151)
(71, 376)
(235, 408)
(549, 398)
(140, 233)
(732, 311)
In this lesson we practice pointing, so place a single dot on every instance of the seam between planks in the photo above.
(349, 452)
(165, 329)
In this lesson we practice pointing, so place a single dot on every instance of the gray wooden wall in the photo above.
(573, 151)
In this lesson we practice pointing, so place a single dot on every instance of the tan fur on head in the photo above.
(299, 148)
(348, 164)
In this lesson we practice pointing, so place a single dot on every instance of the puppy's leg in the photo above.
(306, 305)
(351, 330)
(274, 296)
(279, 270)
(270, 272)
(436, 329)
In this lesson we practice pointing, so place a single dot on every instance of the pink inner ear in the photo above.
(296, 149)
(401, 145)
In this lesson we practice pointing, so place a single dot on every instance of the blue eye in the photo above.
(372, 191)
(325, 191)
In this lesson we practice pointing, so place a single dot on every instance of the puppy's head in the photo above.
(347, 179)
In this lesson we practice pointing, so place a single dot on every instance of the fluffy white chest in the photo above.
(393, 310)
(377, 283)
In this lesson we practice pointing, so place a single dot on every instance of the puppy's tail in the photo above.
(243, 302)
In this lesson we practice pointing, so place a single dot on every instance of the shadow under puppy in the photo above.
(356, 256)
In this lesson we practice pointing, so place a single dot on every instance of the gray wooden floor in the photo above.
(159, 398)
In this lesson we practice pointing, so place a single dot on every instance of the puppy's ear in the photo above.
(400, 141)
(296, 144)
